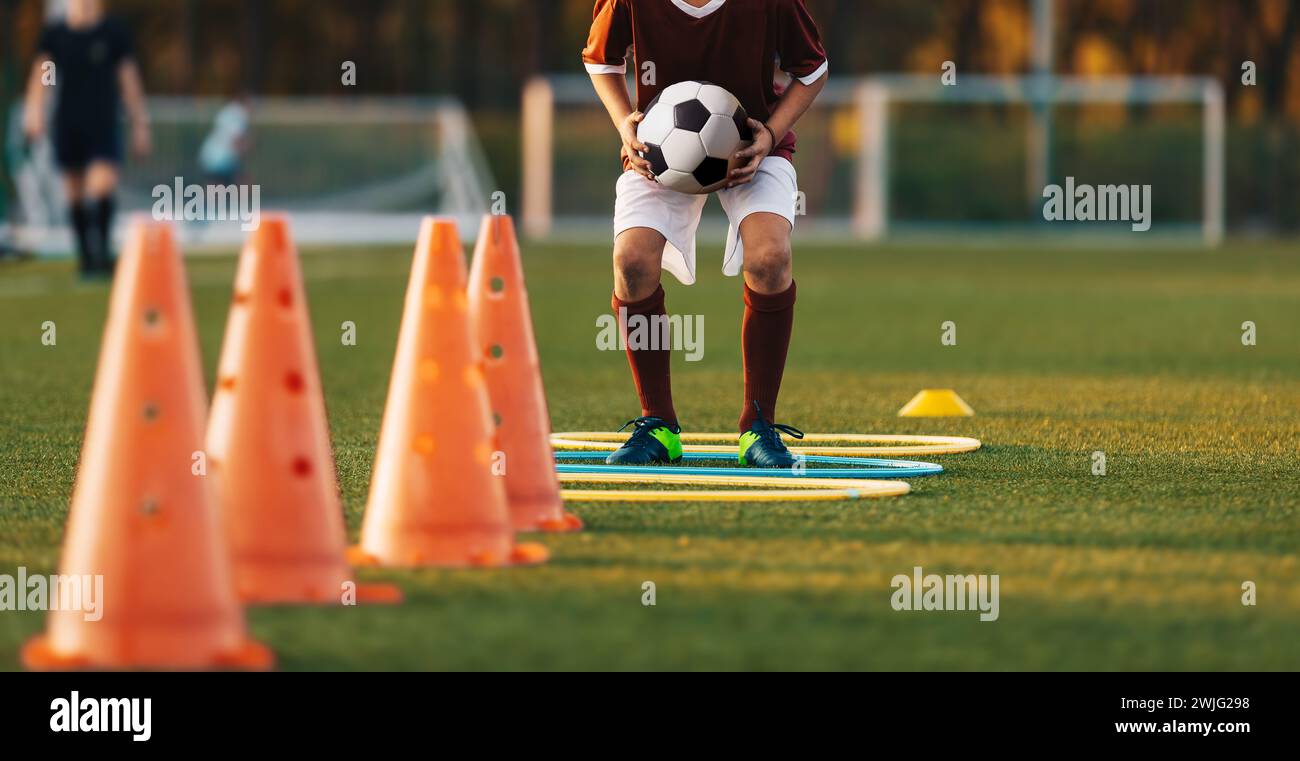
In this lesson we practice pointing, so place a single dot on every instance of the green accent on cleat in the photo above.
(654, 441)
(671, 440)
(746, 440)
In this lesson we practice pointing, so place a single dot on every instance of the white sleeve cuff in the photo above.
(816, 75)
(606, 68)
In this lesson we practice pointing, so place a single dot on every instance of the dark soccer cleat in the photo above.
(653, 441)
(761, 445)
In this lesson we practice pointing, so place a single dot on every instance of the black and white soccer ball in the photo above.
(692, 131)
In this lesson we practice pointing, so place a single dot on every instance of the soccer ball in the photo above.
(691, 132)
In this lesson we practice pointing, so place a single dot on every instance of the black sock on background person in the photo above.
(104, 208)
(81, 235)
(90, 208)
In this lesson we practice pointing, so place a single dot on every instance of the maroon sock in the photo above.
(650, 368)
(765, 338)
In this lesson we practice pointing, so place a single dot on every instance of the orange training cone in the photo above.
(268, 439)
(434, 500)
(141, 519)
(498, 305)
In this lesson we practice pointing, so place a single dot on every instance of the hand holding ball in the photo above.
(692, 132)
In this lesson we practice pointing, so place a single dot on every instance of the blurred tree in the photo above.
(9, 75)
(483, 50)
(252, 58)
(188, 58)
(468, 39)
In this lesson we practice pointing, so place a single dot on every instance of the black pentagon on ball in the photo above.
(655, 155)
(710, 171)
(742, 124)
(690, 115)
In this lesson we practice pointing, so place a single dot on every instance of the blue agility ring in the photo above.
(864, 467)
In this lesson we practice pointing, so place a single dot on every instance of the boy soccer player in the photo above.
(94, 71)
(736, 44)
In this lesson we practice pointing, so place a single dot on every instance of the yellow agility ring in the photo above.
(879, 444)
(795, 489)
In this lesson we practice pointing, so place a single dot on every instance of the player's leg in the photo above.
(769, 312)
(762, 217)
(71, 153)
(101, 188)
(765, 336)
(637, 293)
(639, 296)
(654, 230)
(74, 193)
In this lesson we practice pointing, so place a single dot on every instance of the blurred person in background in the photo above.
(221, 157)
(94, 75)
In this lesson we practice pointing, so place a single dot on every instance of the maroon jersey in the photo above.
(736, 44)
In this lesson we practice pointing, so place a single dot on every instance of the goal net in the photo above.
(979, 154)
(349, 171)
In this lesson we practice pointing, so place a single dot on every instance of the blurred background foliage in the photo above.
(484, 50)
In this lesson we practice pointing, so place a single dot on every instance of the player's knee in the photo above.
(101, 180)
(636, 259)
(768, 261)
(74, 188)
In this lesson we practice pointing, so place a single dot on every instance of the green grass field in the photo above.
(1061, 353)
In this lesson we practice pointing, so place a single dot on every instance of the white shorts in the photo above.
(643, 203)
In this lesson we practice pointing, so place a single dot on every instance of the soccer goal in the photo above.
(905, 156)
(978, 154)
(348, 170)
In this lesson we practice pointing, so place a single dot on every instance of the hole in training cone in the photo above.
(140, 521)
(279, 496)
(434, 499)
(499, 308)
(936, 402)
